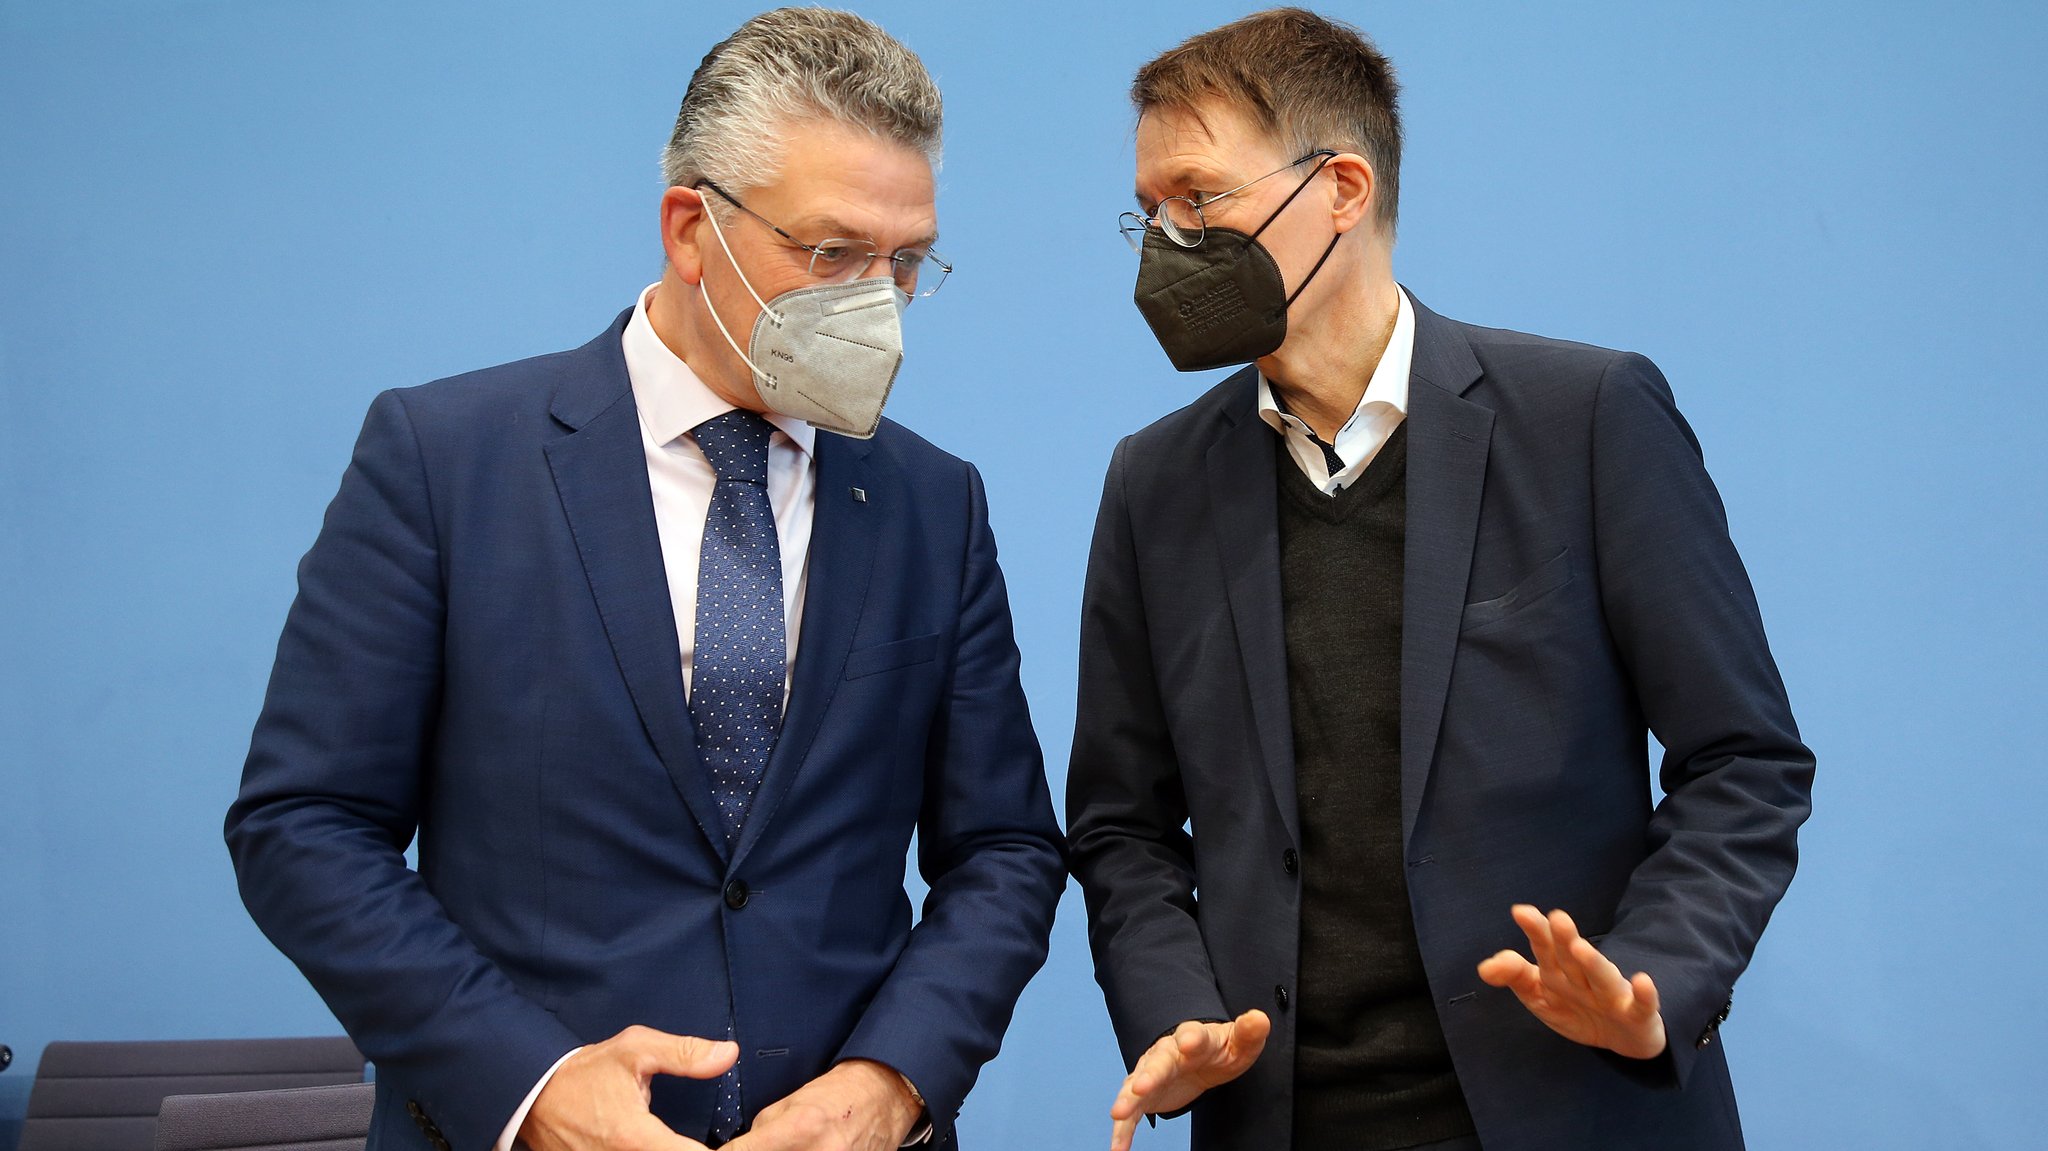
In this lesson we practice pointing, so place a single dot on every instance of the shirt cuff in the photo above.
(922, 1129)
(511, 1133)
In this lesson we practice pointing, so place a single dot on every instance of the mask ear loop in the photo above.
(1298, 189)
(1312, 271)
(711, 215)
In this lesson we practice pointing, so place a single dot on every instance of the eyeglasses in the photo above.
(836, 260)
(1180, 217)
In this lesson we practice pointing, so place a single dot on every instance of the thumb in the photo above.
(1248, 1034)
(689, 1056)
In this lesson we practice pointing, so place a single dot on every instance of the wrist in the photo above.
(903, 1103)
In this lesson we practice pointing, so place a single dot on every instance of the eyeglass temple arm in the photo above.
(771, 225)
(813, 249)
(1327, 156)
(1326, 153)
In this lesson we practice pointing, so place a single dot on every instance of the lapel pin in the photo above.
(860, 495)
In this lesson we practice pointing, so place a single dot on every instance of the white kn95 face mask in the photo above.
(826, 354)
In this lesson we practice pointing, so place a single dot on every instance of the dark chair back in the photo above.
(105, 1096)
(295, 1119)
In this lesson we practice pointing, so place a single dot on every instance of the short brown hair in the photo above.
(1311, 81)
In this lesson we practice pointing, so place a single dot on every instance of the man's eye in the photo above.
(833, 253)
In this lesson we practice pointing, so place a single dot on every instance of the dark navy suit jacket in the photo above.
(483, 649)
(1569, 588)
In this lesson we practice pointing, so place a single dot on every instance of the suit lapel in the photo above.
(600, 472)
(843, 531)
(1245, 495)
(1448, 439)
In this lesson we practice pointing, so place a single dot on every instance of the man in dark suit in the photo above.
(1374, 637)
(665, 647)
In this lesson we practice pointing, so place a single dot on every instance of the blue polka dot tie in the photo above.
(742, 649)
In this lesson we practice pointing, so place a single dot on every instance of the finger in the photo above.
(1537, 928)
(1564, 935)
(1120, 1133)
(646, 1133)
(1123, 1132)
(1129, 1101)
(1603, 978)
(1647, 1001)
(774, 1137)
(1510, 970)
(687, 1056)
(1505, 969)
(1198, 1043)
(1156, 1068)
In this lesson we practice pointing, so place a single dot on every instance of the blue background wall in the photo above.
(225, 225)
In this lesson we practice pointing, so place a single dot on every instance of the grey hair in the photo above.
(786, 66)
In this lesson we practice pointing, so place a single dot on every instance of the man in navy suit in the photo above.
(664, 647)
(1374, 636)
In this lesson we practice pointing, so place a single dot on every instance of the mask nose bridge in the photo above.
(870, 297)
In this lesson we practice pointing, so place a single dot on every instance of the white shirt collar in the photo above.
(1384, 403)
(671, 399)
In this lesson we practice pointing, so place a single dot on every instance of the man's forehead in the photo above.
(842, 184)
(1181, 145)
(1176, 134)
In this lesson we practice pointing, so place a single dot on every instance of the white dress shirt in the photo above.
(672, 401)
(1380, 410)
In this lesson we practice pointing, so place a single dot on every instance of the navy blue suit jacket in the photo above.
(1569, 588)
(483, 649)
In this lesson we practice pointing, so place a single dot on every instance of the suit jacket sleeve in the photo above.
(332, 794)
(1737, 779)
(1126, 810)
(988, 848)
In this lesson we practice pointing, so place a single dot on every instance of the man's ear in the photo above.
(682, 210)
(1357, 187)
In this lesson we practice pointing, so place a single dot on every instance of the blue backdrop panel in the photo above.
(224, 226)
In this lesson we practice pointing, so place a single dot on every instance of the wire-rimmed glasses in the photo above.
(1180, 217)
(835, 260)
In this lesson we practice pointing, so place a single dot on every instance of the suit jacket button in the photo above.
(736, 894)
(1280, 996)
(1289, 861)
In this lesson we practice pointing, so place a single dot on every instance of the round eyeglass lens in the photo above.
(1181, 220)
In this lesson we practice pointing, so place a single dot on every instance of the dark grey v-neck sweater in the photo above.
(1371, 1069)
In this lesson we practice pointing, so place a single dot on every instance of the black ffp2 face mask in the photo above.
(1221, 302)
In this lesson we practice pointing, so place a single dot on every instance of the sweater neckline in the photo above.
(1387, 469)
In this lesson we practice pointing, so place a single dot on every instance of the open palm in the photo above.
(1576, 991)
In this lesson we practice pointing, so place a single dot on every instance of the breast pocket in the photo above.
(892, 655)
(1551, 575)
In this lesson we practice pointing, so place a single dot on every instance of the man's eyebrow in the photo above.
(1182, 176)
(831, 228)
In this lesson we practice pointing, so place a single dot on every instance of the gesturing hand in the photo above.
(858, 1105)
(1178, 1068)
(597, 1098)
(1576, 991)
